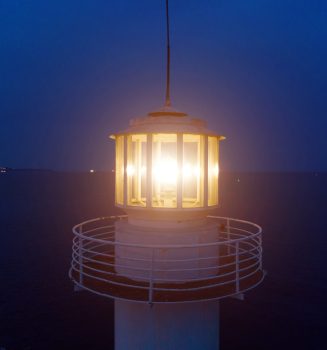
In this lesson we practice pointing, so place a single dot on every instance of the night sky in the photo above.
(72, 72)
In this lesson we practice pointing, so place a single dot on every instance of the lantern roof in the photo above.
(167, 120)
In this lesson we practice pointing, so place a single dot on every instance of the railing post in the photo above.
(80, 255)
(260, 251)
(237, 266)
(228, 236)
(151, 278)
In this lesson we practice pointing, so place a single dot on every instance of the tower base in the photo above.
(184, 326)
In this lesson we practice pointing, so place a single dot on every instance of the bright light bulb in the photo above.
(130, 170)
(165, 171)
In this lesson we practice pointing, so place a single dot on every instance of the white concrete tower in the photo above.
(169, 260)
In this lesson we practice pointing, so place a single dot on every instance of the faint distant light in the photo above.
(238, 180)
(3, 171)
(112, 170)
(92, 171)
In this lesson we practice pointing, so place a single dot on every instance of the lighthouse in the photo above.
(169, 260)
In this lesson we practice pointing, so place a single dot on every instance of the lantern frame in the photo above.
(151, 167)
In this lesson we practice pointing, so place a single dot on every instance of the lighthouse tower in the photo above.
(169, 260)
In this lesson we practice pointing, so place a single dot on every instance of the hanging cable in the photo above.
(167, 103)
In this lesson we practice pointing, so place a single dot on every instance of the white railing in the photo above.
(235, 267)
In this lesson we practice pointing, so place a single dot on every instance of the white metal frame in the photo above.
(94, 242)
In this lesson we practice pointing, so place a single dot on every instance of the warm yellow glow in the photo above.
(178, 172)
(215, 170)
(193, 172)
(130, 170)
(135, 169)
(190, 171)
(119, 173)
(165, 171)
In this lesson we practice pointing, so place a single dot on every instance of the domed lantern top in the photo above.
(167, 161)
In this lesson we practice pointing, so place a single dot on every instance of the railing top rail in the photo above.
(83, 235)
(112, 217)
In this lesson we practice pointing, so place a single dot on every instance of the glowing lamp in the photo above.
(167, 160)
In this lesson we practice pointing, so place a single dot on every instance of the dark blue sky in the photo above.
(72, 72)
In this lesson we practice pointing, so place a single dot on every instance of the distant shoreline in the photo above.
(5, 170)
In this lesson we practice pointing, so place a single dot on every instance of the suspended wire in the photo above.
(167, 103)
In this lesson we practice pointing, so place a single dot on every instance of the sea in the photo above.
(40, 310)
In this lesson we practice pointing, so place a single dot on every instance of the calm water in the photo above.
(39, 310)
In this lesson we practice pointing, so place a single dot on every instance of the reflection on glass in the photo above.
(164, 170)
(136, 170)
(192, 170)
(213, 171)
(119, 193)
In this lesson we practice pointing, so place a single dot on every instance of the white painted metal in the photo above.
(205, 165)
(80, 258)
(168, 123)
(227, 233)
(149, 171)
(237, 267)
(97, 244)
(179, 179)
(125, 186)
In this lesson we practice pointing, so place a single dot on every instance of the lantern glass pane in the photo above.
(136, 170)
(192, 170)
(213, 171)
(164, 170)
(119, 171)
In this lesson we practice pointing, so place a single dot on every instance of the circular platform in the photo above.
(237, 264)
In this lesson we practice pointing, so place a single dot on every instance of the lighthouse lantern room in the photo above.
(167, 160)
